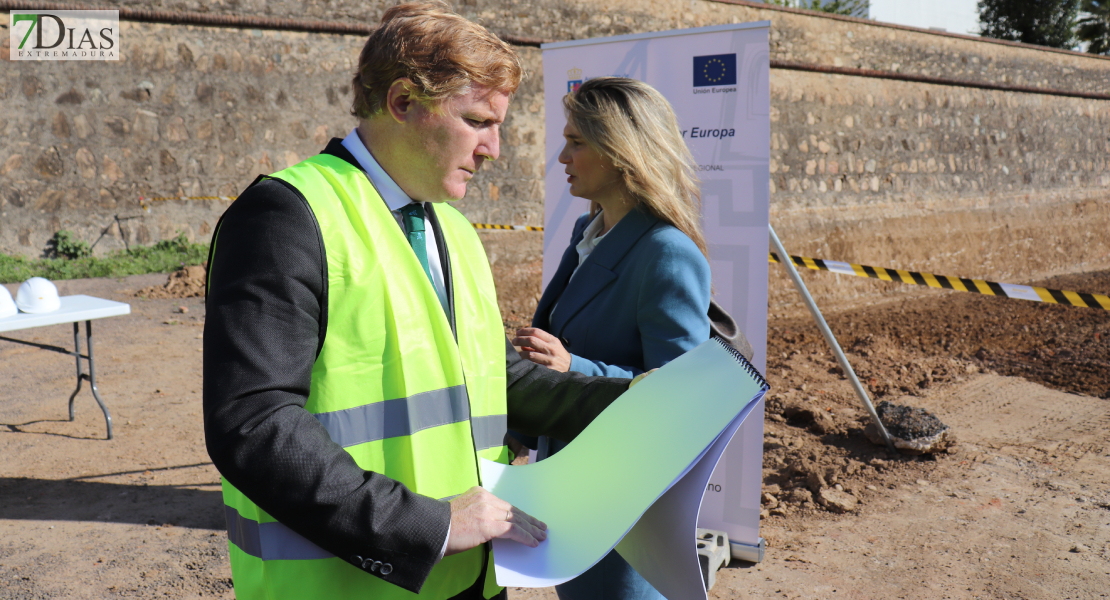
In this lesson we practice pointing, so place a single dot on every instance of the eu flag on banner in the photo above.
(718, 69)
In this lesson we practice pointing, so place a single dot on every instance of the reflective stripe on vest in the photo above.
(391, 385)
(269, 541)
(406, 416)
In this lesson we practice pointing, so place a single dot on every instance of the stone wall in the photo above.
(799, 35)
(185, 112)
(972, 183)
(958, 181)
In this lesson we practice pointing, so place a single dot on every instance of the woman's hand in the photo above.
(542, 348)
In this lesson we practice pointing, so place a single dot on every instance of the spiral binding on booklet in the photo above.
(749, 367)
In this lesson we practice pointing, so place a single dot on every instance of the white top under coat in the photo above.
(590, 238)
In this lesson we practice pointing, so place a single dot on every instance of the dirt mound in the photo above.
(186, 282)
(1062, 347)
(815, 431)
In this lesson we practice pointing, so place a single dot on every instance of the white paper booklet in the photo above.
(633, 479)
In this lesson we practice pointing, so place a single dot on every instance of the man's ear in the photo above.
(400, 101)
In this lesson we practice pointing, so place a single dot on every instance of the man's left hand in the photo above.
(478, 516)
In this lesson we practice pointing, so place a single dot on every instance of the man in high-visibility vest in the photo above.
(355, 365)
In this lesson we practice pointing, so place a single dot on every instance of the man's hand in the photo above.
(478, 516)
(542, 348)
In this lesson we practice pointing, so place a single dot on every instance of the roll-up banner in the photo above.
(717, 79)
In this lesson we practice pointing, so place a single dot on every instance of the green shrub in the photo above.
(163, 257)
(65, 245)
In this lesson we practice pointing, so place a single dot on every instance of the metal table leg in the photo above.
(80, 373)
(91, 376)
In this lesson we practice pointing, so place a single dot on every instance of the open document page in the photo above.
(644, 462)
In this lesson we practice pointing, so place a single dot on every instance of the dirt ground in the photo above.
(1019, 509)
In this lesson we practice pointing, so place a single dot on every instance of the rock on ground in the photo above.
(836, 501)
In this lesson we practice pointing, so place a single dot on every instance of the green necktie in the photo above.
(412, 216)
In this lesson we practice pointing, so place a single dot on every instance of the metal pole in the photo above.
(785, 259)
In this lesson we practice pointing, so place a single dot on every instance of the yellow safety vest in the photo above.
(391, 385)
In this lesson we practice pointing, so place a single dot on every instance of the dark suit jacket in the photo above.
(265, 323)
(638, 301)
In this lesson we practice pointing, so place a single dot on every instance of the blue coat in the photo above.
(636, 303)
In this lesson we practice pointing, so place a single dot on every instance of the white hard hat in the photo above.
(37, 295)
(7, 306)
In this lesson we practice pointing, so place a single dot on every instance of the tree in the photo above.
(1041, 22)
(851, 8)
(1094, 26)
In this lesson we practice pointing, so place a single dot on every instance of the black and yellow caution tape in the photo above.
(959, 284)
(978, 286)
(507, 227)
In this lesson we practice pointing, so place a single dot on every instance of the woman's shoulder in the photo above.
(665, 240)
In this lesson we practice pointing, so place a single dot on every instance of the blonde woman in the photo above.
(633, 288)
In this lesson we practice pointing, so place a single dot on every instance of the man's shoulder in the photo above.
(268, 196)
(269, 214)
(269, 231)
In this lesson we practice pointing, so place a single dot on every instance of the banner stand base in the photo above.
(748, 552)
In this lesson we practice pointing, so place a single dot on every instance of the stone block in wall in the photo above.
(49, 163)
(86, 163)
(11, 163)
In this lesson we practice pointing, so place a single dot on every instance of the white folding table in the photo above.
(74, 309)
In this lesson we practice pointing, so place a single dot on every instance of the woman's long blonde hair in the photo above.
(633, 125)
